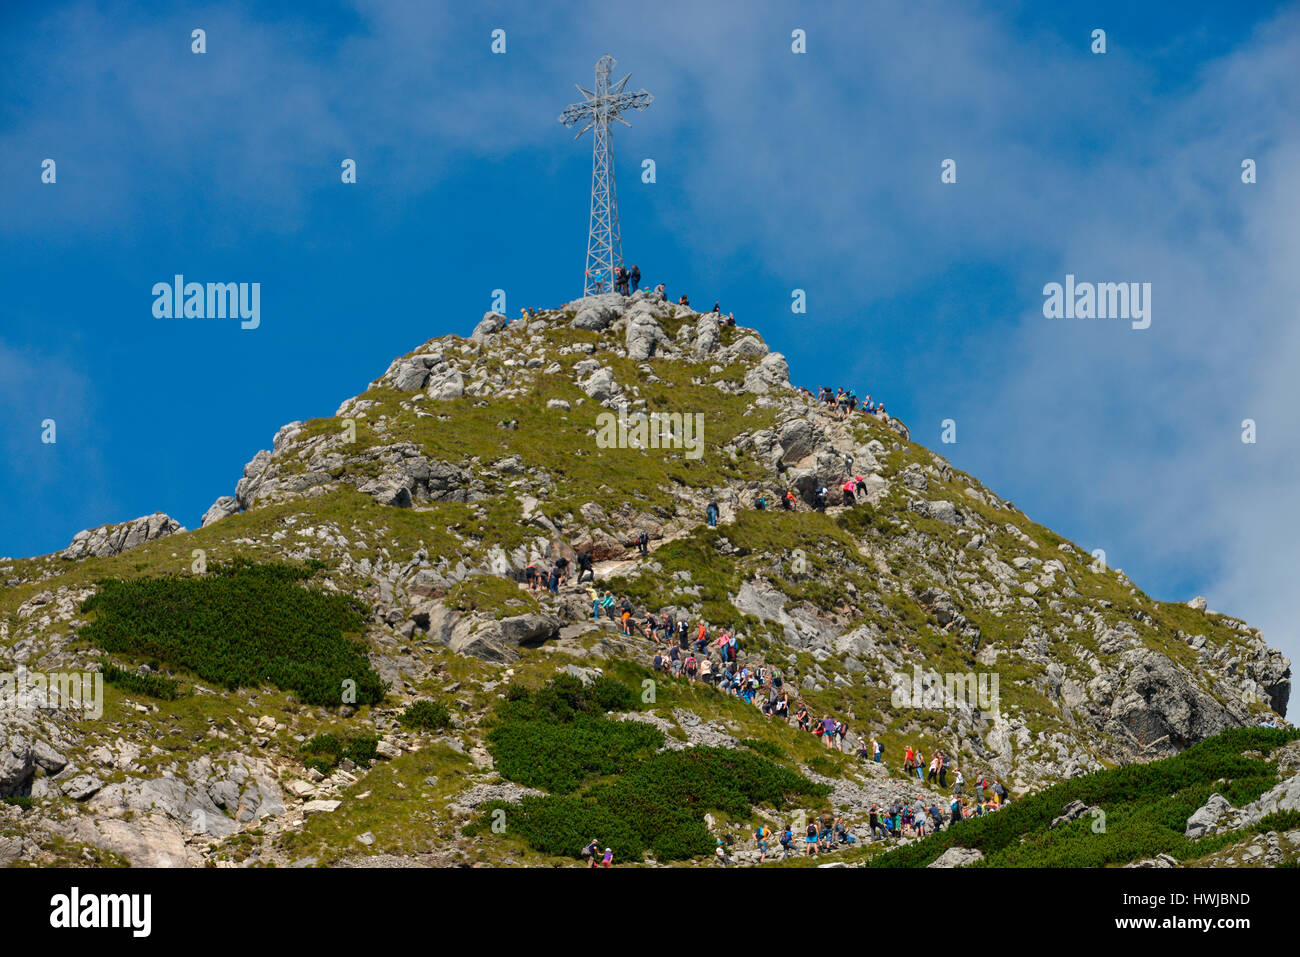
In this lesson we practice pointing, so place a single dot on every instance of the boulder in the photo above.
(446, 384)
(600, 385)
(770, 375)
(225, 505)
(1215, 815)
(957, 857)
(644, 338)
(596, 313)
(491, 322)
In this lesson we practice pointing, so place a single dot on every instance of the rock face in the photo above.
(109, 540)
(1161, 709)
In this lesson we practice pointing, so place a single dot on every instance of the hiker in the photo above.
(761, 834)
(720, 854)
(684, 301)
(955, 808)
(553, 580)
(1000, 792)
(874, 824)
(643, 542)
(810, 838)
(586, 566)
(820, 497)
(958, 781)
(801, 717)
(590, 851)
(842, 834)
(943, 771)
(862, 748)
(530, 576)
(787, 501)
(662, 289)
(761, 504)
(828, 730)
(607, 603)
(716, 308)
(620, 280)
(595, 603)
(626, 617)
(608, 858)
(562, 566)
(787, 838)
(848, 492)
(877, 749)
(711, 514)
(933, 772)
(635, 276)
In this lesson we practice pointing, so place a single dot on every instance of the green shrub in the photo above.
(1146, 807)
(767, 748)
(155, 686)
(240, 625)
(558, 738)
(325, 751)
(426, 716)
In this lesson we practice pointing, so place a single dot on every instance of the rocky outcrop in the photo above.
(480, 636)
(1161, 709)
(596, 313)
(109, 540)
(409, 477)
(1217, 814)
(492, 322)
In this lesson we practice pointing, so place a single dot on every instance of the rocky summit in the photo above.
(351, 662)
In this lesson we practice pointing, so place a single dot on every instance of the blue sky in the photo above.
(775, 171)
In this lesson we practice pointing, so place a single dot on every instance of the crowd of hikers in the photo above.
(687, 651)
(844, 403)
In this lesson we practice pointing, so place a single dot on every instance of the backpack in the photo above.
(586, 850)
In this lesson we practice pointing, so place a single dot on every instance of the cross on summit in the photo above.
(604, 242)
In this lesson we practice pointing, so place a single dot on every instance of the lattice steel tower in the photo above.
(604, 243)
